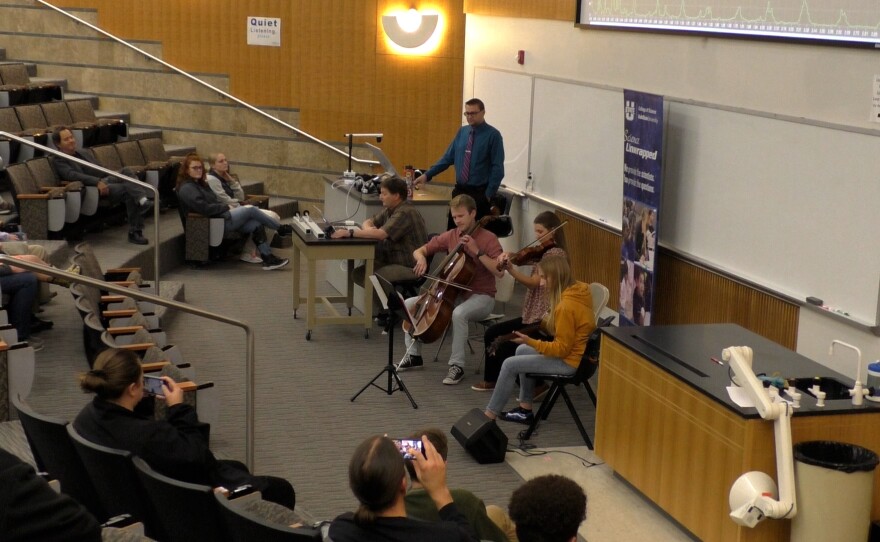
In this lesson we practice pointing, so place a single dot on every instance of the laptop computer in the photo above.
(384, 161)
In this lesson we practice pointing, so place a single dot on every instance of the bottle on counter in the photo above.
(409, 175)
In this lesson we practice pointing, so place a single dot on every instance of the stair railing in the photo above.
(226, 95)
(130, 292)
(124, 178)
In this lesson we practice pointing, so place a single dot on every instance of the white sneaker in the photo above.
(250, 257)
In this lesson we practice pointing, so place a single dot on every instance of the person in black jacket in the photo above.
(117, 191)
(194, 195)
(177, 446)
(377, 478)
(31, 510)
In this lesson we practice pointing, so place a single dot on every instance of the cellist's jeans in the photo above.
(473, 309)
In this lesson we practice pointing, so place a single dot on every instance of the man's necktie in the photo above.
(466, 165)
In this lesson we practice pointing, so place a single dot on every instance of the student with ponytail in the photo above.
(176, 446)
(377, 477)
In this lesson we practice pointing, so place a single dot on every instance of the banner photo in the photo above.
(642, 166)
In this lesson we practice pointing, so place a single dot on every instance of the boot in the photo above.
(259, 235)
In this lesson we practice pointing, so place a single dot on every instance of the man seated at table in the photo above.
(400, 230)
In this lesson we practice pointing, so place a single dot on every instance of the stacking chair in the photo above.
(55, 454)
(244, 526)
(40, 213)
(586, 369)
(186, 511)
(117, 483)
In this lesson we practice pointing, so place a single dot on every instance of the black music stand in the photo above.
(396, 311)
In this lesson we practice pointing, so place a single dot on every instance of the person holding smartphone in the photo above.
(176, 446)
(378, 479)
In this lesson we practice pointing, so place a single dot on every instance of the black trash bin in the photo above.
(835, 485)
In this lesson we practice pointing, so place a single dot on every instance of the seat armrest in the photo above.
(119, 313)
(154, 366)
(125, 330)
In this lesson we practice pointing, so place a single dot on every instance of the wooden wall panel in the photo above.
(691, 294)
(334, 64)
(560, 10)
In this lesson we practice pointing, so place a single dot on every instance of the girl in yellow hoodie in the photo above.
(571, 322)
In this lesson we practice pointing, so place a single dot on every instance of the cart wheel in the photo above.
(309, 335)
(366, 334)
(294, 314)
(349, 311)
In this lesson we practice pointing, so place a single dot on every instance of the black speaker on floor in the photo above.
(480, 437)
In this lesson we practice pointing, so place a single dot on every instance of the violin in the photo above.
(433, 309)
(532, 254)
(531, 328)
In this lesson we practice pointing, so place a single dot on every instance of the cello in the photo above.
(433, 309)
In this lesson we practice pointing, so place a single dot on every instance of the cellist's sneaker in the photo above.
(454, 376)
(411, 362)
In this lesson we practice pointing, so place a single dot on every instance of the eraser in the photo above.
(814, 301)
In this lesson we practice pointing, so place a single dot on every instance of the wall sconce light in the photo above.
(410, 29)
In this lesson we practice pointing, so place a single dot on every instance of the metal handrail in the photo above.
(209, 86)
(130, 292)
(110, 172)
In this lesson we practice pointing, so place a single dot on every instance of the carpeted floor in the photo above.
(306, 425)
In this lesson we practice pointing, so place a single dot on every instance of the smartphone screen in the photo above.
(405, 444)
(153, 385)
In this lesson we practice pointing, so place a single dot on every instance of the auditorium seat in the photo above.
(186, 511)
(54, 453)
(57, 115)
(117, 483)
(155, 172)
(9, 123)
(17, 371)
(16, 74)
(44, 175)
(245, 526)
(110, 128)
(40, 213)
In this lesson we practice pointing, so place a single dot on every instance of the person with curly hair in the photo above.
(548, 508)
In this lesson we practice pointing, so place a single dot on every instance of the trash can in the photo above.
(835, 485)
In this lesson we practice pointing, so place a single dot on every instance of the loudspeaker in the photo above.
(480, 437)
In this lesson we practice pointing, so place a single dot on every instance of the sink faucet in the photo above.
(857, 392)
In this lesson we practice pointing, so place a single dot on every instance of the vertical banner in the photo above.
(642, 166)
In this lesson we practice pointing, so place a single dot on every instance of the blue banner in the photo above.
(642, 166)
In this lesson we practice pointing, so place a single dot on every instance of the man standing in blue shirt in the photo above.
(477, 152)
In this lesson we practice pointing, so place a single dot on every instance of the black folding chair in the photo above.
(586, 369)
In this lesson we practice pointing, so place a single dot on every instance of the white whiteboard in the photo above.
(790, 206)
(577, 148)
(508, 100)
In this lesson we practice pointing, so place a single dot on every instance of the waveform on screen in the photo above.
(771, 18)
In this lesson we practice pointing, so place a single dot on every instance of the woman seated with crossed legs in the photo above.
(571, 322)
(194, 195)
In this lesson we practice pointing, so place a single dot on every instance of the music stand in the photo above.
(394, 305)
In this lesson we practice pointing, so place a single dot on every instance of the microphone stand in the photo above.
(394, 307)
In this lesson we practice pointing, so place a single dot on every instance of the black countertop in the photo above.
(685, 351)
